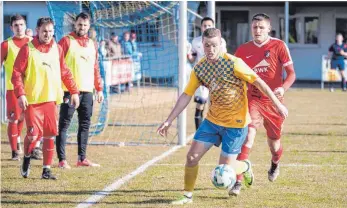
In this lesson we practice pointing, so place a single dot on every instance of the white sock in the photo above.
(38, 144)
(188, 194)
(47, 166)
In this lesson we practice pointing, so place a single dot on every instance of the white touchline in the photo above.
(118, 183)
(264, 165)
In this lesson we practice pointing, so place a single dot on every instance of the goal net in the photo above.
(140, 87)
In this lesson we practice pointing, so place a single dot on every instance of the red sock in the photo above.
(29, 146)
(48, 151)
(12, 132)
(242, 156)
(20, 127)
(276, 156)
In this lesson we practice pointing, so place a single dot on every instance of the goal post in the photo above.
(141, 88)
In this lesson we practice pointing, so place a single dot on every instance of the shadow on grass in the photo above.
(322, 151)
(18, 165)
(93, 192)
(313, 134)
(213, 197)
(9, 160)
(317, 124)
(154, 200)
(38, 202)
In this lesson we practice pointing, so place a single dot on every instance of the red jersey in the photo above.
(267, 60)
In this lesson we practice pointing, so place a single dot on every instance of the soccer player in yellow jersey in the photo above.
(9, 52)
(226, 123)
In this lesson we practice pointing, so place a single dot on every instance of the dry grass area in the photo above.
(313, 171)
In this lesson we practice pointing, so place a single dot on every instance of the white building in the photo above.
(312, 29)
(312, 26)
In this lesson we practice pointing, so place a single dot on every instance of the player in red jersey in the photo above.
(38, 73)
(9, 51)
(267, 56)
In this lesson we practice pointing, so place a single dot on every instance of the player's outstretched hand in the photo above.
(75, 100)
(163, 128)
(283, 111)
(100, 96)
(279, 92)
(23, 102)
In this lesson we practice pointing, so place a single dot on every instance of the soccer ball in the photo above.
(223, 176)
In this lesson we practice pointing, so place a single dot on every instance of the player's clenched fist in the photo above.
(23, 102)
(282, 110)
(75, 100)
(279, 92)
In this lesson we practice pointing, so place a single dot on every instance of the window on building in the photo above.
(7, 23)
(303, 29)
(341, 27)
(294, 29)
(311, 30)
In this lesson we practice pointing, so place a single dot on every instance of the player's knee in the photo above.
(21, 117)
(198, 113)
(200, 106)
(49, 138)
(249, 143)
(11, 120)
(32, 138)
(274, 143)
(250, 136)
(192, 159)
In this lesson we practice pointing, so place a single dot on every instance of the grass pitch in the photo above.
(313, 167)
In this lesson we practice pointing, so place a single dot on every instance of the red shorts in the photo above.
(267, 114)
(42, 119)
(13, 110)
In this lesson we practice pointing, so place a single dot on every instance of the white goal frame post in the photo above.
(2, 73)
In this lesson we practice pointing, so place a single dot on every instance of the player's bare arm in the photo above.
(265, 89)
(342, 52)
(288, 82)
(181, 104)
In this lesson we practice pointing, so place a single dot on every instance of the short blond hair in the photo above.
(211, 33)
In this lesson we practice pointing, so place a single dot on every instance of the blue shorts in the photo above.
(231, 138)
(337, 64)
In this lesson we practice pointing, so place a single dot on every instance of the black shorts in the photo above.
(200, 100)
